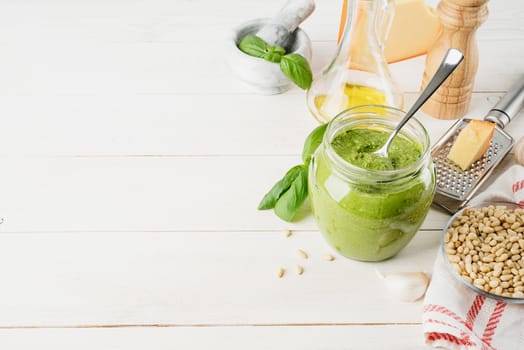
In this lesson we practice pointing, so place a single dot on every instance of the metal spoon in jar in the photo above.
(447, 66)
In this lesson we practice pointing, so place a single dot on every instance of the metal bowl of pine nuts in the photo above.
(484, 248)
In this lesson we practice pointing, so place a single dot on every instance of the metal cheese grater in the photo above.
(455, 187)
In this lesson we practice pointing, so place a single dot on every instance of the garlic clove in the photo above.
(406, 286)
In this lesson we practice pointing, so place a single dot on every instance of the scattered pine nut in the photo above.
(300, 270)
(329, 257)
(288, 233)
(302, 254)
(280, 272)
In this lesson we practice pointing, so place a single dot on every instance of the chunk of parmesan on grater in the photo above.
(471, 143)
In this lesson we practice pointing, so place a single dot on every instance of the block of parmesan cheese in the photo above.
(471, 143)
(414, 29)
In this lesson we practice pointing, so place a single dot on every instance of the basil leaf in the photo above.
(271, 198)
(252, 45)
(276, 49)
(288, 204)
(297, 69)
(312, 142)
(272, 57)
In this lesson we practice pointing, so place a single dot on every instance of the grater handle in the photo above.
(508, 106)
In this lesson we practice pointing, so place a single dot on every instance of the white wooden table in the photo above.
(132, 163)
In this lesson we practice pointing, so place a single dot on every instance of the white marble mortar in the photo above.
(261, 76)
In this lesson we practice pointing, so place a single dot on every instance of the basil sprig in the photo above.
(289, 202)
(296, 68)
(270, 199)
(292, 65)
(253, 46)
(288, 194)
(312, 142)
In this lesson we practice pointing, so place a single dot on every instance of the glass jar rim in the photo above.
(389, 120)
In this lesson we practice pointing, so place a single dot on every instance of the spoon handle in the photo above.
(447, 66)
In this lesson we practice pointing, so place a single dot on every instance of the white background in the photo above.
(132, 163)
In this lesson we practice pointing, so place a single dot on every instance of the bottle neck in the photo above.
(363, 30)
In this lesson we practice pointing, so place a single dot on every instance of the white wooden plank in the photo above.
(147, 193)
(196, 278)
(401, 337)
(117, 69)
(182, 21)
(146, 21)
(174, 124)
(151, 21)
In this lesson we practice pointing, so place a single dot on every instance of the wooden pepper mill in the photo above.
(460, 20)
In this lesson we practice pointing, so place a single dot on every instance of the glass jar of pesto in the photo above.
(367, 207)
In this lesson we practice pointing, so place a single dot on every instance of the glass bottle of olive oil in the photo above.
(359, 74)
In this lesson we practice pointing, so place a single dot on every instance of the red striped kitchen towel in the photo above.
(454, 316)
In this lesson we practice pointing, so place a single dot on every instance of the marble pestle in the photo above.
(278, 30)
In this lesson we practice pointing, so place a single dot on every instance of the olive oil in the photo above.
(354, 95)
(358, 73)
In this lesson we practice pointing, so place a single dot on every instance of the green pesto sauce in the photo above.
(356, 146)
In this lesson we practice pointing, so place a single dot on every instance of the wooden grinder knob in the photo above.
(460, 20)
